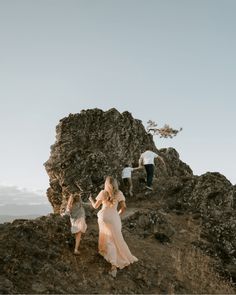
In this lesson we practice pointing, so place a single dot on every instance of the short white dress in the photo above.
(111, 244)
(77, 218)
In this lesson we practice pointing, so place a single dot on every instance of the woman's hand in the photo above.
(69, 207)
(122, 207)
(90, 198)
(95, 204)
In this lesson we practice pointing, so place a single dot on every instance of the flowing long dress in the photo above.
(111, 244)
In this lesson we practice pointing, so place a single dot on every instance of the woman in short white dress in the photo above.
(77, 218)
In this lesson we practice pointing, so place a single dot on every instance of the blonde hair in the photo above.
(76, 197)
(111, 187)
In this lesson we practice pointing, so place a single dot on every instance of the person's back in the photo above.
(148, 157)
(126, 176)
(111, 243)
(106, 203)
(126, 172)
(77, 209)
(147, 160)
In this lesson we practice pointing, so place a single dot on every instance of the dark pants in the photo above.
(128, 185)
(150, 172)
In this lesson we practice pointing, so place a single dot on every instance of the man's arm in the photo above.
(140, 162)
(163, 162)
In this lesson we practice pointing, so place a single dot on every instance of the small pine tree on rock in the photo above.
(164, 132)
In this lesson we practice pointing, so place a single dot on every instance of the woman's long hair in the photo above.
(76, 197)
(111, 187)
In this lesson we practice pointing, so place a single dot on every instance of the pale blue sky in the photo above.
(172, 61)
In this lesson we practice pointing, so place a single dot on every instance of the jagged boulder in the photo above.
(174, 166)
(212, 194)
(211, 198)
(93, 144)
(89, 146)
(208, 194)
(176, 183)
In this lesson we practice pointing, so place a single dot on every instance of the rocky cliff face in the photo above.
(94, 144)
(183, 232)
(211, 199)
(36, 256)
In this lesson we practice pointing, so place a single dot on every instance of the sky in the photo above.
(171, 61)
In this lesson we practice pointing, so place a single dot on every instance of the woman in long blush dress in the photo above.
(111, 244)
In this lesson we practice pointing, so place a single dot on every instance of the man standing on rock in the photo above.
(147, 160)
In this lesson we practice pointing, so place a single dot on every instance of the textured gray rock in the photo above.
(208, 194)
(94, 144)
(212, 196)
(213, 193)
(89, 146)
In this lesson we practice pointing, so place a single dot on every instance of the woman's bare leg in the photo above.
(130, 187)
(77, 242)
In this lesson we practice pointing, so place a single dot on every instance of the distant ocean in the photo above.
(20, 203)
(10, 212)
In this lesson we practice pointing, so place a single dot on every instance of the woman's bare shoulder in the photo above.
(121, 196)
(101, 195)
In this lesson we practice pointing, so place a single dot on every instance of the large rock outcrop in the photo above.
(183, 232)
(93, 144)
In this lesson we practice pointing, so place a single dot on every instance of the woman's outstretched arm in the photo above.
(69, 203)
(95, 204)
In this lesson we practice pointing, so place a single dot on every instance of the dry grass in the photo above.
(193, 266)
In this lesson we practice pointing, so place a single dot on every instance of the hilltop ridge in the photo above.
(37, 255)
(183, 233)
